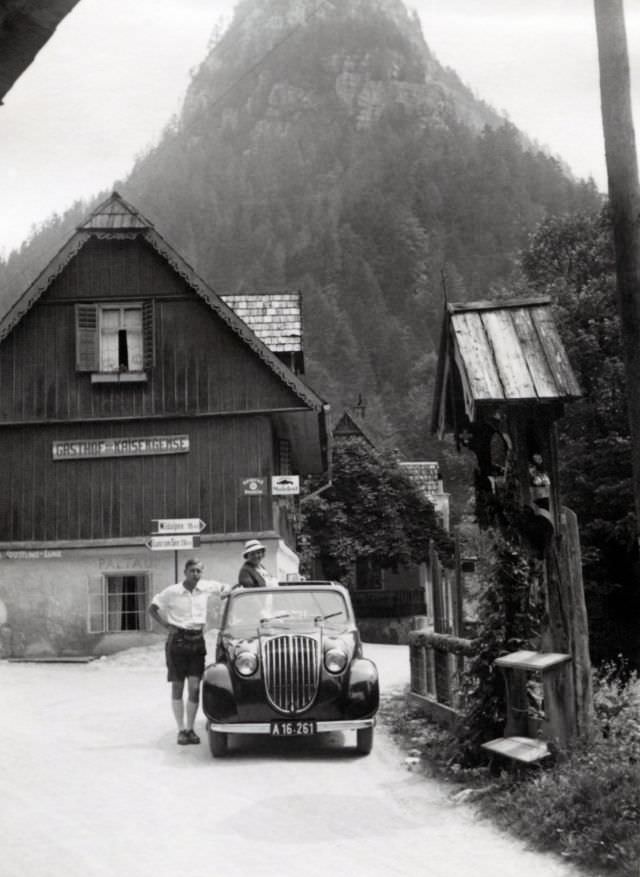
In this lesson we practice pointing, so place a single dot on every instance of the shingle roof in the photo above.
(504, 352)
(276, 318)
(425, 475)
(114, 214)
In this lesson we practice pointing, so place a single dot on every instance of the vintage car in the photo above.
(289, 663)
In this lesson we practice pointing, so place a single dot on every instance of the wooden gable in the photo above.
(350, 426)
(107, 235)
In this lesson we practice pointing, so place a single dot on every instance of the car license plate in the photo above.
(293, 729)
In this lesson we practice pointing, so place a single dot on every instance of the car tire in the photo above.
(364, 741)
(218, 744)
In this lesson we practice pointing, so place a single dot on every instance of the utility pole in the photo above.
(624, 197)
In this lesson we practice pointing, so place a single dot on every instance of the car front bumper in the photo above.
(265, 727)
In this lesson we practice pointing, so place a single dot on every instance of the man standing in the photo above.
(182, 610)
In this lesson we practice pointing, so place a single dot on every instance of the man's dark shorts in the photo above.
(185, 652)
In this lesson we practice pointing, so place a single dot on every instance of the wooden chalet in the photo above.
(130, 392)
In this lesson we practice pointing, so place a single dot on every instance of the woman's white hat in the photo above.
(252, 545)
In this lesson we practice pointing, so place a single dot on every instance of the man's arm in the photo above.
(154, 612)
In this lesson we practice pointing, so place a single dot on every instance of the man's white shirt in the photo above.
(185, 608)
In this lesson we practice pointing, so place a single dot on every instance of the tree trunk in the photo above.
(624, 196)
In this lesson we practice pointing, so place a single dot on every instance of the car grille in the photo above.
(291, 671)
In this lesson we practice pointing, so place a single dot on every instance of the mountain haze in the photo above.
(322, 146)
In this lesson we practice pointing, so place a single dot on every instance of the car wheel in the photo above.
(218, 744)
(364, 740)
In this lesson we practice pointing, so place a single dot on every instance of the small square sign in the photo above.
(254, 486)
(285, 485)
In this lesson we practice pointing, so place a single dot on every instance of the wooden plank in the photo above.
(534, 355)
(523, 749)
(457, 307)
(536, 661)
(510, 362)
(439, 712)
(477, 359)
(557, 359)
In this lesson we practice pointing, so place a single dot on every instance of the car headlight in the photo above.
(246, 663)
(335, 660)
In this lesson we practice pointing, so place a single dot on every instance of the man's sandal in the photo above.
(192, 737)
(183, 738)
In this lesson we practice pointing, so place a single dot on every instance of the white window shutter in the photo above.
(96, 604)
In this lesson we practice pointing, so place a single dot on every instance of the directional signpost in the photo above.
(179, 525)
(172, 543)
(175, 534)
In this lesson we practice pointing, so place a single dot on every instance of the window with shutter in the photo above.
(115, 341)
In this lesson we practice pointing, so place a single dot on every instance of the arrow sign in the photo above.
(172, 543)
(179, 525)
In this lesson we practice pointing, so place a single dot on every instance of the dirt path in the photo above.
(92, 784)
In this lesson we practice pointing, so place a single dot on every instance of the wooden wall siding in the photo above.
(201, 366)
(51, 501)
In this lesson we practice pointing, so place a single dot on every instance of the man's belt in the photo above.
(188, 633)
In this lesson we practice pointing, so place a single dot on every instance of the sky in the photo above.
(114, 73)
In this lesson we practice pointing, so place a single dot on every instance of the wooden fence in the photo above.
(440, 657)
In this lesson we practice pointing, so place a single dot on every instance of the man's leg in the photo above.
(177, 706)
(193, 699)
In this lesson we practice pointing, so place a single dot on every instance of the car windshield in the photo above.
(254, 609)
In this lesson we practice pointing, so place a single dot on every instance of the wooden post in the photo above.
(571, 566)
(441, 658)
(624, 197)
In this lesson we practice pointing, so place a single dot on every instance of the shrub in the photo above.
(587, 806)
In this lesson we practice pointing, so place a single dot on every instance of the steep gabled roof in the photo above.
(350, 426)
(116, 218)
(504, 352)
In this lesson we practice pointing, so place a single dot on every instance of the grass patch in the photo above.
(585, 807)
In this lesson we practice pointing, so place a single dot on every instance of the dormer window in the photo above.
(114, 341)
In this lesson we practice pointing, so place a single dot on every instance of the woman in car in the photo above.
(252, 572)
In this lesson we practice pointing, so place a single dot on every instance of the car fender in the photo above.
(218, 701)
(364, 690)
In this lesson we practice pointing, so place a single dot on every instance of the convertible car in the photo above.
(289, 663)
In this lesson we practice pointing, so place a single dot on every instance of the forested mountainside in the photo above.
(322, 146)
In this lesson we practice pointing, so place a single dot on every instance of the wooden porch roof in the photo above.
(503, 352)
